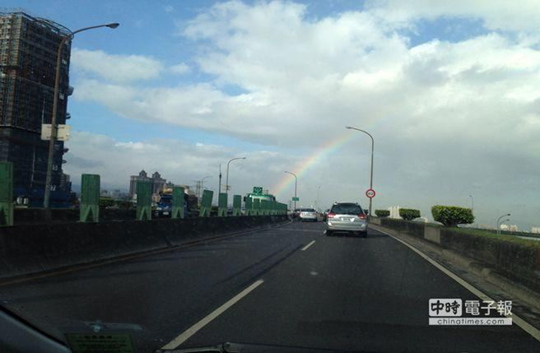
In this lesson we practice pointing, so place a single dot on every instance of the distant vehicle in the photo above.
(346, 217)
(296, 213)
(267, 197)
(164, 205)
(426, 221)
(307, 214)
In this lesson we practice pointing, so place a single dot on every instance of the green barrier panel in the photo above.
(90, 191)
(178, 202)
(264, 208)
(206, 203)
(269, 209)
(6, 194)
(249, 206)
(256, 207)
(274, 208)
(222, 205)
(144, 200)
(237, 205)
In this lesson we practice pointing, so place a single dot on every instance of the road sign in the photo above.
(62, 133)
(370, 193)
(296, 199)
(257, 190)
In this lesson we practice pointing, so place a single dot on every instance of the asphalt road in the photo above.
(293, 285)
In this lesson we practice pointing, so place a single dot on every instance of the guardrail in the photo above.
(516, 260)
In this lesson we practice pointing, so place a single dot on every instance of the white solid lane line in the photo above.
(184, 336)
(307, 246)
(531, 330)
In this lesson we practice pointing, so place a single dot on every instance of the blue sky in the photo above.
(449, 89)
(152, 28)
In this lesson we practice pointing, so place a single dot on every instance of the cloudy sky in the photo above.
(449, 90)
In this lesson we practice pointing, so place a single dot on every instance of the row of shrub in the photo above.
(450, 216)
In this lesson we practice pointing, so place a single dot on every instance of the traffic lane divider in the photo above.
(33, 249)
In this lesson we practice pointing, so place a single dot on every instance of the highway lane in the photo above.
(162, 293)
(306, 290)
(356, 294)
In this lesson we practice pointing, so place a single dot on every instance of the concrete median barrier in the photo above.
(517, 261)
(36, 248)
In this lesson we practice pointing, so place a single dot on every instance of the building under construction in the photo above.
(28, 54)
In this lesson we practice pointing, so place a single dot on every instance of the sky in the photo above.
(449, 90)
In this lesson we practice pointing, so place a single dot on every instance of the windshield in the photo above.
(356, 175)
(347, 209)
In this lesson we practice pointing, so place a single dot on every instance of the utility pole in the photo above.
(219, 189)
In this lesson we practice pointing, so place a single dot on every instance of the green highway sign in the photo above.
(296, 199)
(257, 190)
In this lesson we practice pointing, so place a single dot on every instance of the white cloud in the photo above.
(116, 68)
(180, 69)
(495, 14)
(169, 8)
(449, 118)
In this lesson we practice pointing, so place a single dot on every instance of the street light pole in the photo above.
(472, 205)
(498, 221)
(319, 188)
(295, 187)
(219, 189)
(227, 176)
(202, 181)
(372, 153)
(54, 128)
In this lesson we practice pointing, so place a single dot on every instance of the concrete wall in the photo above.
(516, 261)
(33, 248)
(41, 216)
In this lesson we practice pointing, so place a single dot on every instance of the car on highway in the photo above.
(308, 214)
(346, 217)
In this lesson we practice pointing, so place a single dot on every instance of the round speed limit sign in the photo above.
(370, 193)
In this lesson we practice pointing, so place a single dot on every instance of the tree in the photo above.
(382, 213)
(409, 214)
(451, 216)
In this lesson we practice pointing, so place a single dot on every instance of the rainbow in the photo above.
(302, 167)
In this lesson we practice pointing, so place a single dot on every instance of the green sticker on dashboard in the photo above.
(100, 343)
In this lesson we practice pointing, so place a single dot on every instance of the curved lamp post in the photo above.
(372, 152)
(499, 222)
(295, 187)
(54, 128)
(227, 176)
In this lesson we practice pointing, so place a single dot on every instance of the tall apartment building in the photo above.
(28, 53)
(158, 183)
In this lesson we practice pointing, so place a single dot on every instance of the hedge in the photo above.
(451, 216)
(409, 214)
(382, 213)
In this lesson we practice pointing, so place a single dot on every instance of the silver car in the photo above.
(346, 217)
(308, 214)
